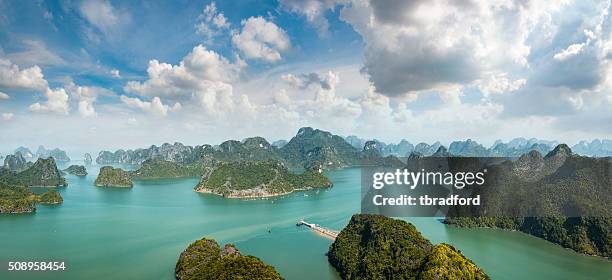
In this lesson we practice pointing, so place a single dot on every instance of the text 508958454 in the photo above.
(36, 266)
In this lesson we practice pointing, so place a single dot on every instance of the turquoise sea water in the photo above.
(138, 233)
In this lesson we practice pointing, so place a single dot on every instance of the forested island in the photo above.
(77, 170)
(19, 199)
(377, 247)
(205, 259)
(258, 179)
(113, 177)
(43, 173)
(561, 197)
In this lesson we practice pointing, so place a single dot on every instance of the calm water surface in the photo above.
(138, 233)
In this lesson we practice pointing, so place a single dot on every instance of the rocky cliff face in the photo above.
(15, 162)
(467, 148)
(598, 148)
(426, 149)
(311, 146)
(57, 154)
(43, 172)
(87, 159)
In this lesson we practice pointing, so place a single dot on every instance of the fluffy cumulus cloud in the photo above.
(11, 76)
(4, 96)
(57, 102)
(261, 39)
(155, 106)
(85, 97)
(203, 79)
(200, 70)
(413, 46)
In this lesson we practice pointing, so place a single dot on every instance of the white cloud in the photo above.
(572, 50)
(29, 78)
(201, 70)
(413, 46)
(4, 96)
(313, 10)
(211, 22)
(86, 97)
(155, 106)
(57, 102)
(115, 73)
(498, 83)
(102, 14)
(35, 53)
(261, 39)
(303, 81)
(7, 116)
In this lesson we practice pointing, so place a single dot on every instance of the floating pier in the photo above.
(320, 230)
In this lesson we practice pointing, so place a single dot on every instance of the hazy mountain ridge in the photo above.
(313, 146)
(42, 152)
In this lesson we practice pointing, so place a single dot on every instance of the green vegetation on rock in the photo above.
(50, 197)
(204, 259)
(16, 200)
(587, 235)
(258, 179)
(560, 197)
(43, 173)
(77, 170)
(377, 247)
(157, 168)
(113, 177)
(446, 262)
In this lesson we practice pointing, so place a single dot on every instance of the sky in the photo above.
(87, 75)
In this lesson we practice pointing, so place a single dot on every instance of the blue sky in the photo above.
(92, 74)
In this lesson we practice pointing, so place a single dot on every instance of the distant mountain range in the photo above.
(42, 152)
(308, 148)
(514, 148)
(311, 146)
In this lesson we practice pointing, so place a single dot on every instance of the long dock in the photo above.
(320, 230)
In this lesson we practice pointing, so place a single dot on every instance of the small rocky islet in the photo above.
(78, 170)
(113, 177)
(205, 259)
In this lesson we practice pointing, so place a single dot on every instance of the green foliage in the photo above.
(77, 170)
(313, 145)
(43, 172)
(51, 196)
(113, 177)
(377, 247)
(446, 262)
(204, 259)
(15, 199)
(562, 198)
(237, 179)
(157, 168)
(587, 235)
